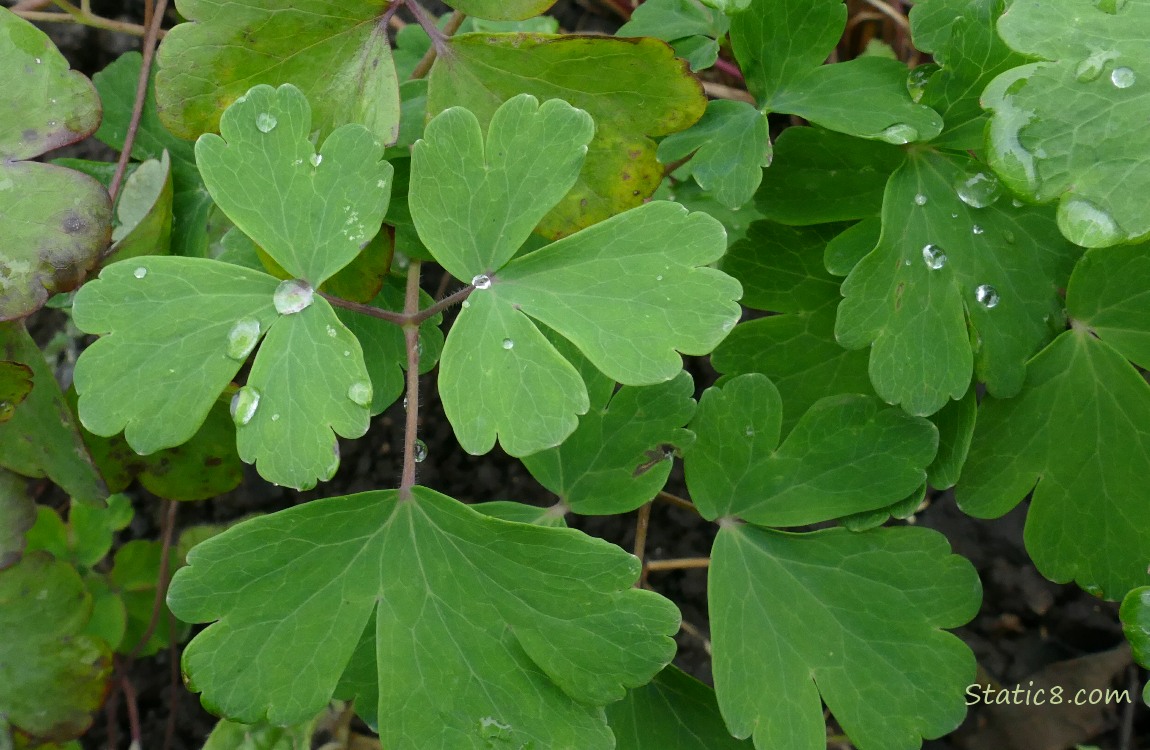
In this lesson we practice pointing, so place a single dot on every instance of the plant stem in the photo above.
(97, 22)
(677, 501)
(438, 38)
(730, 68)
(149, 52)
(411, 340)
(403, 318)
(680, 564)
(443, 304)
(642, 523)
(389, 14)
(721, 91)
(168, 527)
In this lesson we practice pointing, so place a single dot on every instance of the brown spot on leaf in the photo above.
(213, 461)
(898, 295)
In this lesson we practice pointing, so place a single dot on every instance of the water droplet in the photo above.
(316, 159)
(275, 417)
(1008, 236)
(360, 393)
(244, 405)
(986, 295)
(659, 277)
(331, 332)
(266, 122)
(1089, 69)
(906, 262)
(1093, 589)
(381, 184)
(979, 190)
(466, 304)
(917, 80)
(750, 431)
(242, 338)
(920, 200)
(140, 272)
(482, 281)
(1016, 203)
(508, 344)
(37, 61)
(420, 453)
(1084, 223)
(492, 729)
(934, 257)
(976, 229)
(1123, 78)
(292, 296)
(899, 134)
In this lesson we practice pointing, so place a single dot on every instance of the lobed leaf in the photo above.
(961, 282)
(51, 676)
(796, 618)
(1076, 436)
(339, 55)
(638, 91)
(620, 455)
(1071, 127)
(530, 645)
(55, 222)
(316, 210)
(846, 455)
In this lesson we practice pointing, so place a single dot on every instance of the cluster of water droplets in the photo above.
(244, 404)
(292, 296)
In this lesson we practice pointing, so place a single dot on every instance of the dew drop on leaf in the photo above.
(976, 229)
(917, 80)
(899, 134)
(934, 257)
(508, 344)
(979, 190)
(920, 200)
(293, 295)
(140, 272)
(420, 451)
(360, 393)
(316, 159)
(482, 281)
(1123, 78)
(242, 338)
(244, 405)
(986, 295)
(331, 332)
(493, 729)
(266, 122)
(1086, 224)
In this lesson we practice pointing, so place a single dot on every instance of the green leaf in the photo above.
(384, 350)
(228, 735)
(532, 644)
(955, 423)
(621, 454)
(613, 290)
(1112, 297)
(318, 209)
(502, 10)
(159, 368)
(163, 357)
(17, 514)
(496, 189)
(819, 176)
(1072, 128)
(731, 145)
(15, 384)
(960, 282)
(692, 196)
(51, 677)
(845, 251)
(846, 455)
(191, 202)
(781, 47)
(144, 212)
(134, 576)
(205, 466)
(1135, 616)
(781, 270)
(91, 529)
(55, 222)
(1078, 436)
(799, 617)
(691, 28)
(673, 712)
(339, 56)
(42, 437)
(637, 91)
(962, 38)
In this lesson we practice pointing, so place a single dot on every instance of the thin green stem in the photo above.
(98, 22)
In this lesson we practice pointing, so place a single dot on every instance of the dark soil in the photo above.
(1025, 626)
